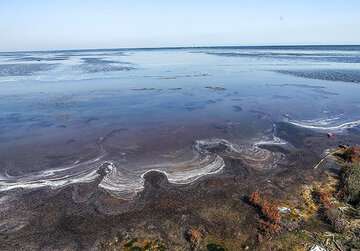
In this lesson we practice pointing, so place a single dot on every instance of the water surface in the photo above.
(64, 114)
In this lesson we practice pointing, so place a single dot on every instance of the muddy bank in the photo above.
(84, 216)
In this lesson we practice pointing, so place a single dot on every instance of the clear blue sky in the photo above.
(75, 24)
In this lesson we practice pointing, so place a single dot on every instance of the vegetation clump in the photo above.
(255, 199)
(354, 243)
(194, 238)
(350, 183)
(332, 213)
(324, 198)
(215, 247)
(135, 244)
(352, 154)
(270, 212)
(269, 222)
(336, 219)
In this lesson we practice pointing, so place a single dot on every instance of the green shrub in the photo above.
(350, 182)
(354, 243)
(335, 217)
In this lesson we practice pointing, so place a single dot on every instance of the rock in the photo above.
(317, 248)
(284, 209)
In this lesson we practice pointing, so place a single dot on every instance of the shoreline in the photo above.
(64, 211)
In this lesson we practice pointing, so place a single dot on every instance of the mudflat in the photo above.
(103, 149)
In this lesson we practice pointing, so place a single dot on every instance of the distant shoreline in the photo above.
(187, 47)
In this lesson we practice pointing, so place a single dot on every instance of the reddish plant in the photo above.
(268, 228)
(269, 224)
(325, 199)
(194, 237)
(352, 154)
(255, 199)
(270, 212)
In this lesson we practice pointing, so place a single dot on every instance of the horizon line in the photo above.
(176, 47)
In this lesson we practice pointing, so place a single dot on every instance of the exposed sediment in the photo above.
(82, 216)
(124, 183)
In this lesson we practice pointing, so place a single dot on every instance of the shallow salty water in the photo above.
(66, 113)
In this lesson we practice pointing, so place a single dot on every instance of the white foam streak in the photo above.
(126, 183)
(326, 124)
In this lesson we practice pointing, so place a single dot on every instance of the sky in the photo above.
(90, 24)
